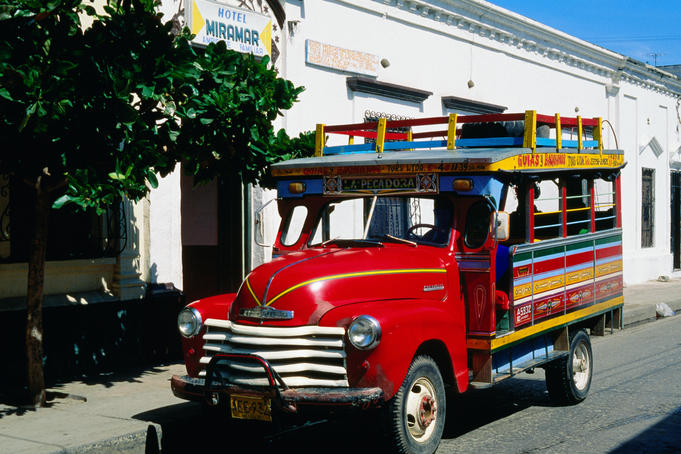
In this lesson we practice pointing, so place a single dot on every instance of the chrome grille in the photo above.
(302, 355)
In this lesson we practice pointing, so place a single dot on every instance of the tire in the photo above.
(415, 416)
(568, 379)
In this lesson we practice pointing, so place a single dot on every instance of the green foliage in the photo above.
(102, 110)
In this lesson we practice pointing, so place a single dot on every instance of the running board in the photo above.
(518, 368)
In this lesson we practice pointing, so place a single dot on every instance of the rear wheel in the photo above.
(568, 379)
(416, 415)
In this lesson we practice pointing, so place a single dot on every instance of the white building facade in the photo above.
(410, 58)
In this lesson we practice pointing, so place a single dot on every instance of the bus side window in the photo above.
(578, 206)
(605, 204)
(547, 210)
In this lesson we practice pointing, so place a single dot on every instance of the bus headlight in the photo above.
(189, 322)
(364, 332)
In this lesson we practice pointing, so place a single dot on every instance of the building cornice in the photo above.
(492, 22)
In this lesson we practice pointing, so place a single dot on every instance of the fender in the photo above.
(212, 307)
(405, 326)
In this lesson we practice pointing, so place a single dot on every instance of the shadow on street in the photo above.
(187, 426)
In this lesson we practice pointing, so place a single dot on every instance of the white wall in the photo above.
(512, 61)
(165, 240)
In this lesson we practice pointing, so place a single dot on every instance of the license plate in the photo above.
(248, 407)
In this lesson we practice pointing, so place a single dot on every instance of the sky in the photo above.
(646, 30)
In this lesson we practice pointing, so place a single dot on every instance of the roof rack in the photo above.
(518, 130)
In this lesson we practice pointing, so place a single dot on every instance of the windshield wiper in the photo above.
(349, 242)
(399, 240)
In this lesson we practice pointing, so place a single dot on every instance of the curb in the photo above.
(144, 440)
(635, 314)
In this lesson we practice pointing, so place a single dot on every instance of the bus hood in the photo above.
(302, 286)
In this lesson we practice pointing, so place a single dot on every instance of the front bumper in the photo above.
(284, 399)
(290, 400)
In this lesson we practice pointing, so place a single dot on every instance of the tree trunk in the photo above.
(34, 296)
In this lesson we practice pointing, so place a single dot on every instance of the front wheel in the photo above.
(568, 379)
(415, 417)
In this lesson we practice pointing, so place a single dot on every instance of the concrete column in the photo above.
(127, 284)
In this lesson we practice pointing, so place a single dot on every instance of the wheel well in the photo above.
(586, 324)
(437, 350)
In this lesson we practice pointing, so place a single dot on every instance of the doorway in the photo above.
(214, 257)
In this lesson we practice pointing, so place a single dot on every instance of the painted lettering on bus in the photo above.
(554, 160)
(530, 160)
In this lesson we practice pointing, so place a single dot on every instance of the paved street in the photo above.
(634, 406)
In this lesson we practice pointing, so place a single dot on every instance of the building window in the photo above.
(647, 207)
(72, 234)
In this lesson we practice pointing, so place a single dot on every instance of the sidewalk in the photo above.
(125, 413)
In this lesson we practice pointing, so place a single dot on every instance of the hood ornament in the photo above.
(266, 313)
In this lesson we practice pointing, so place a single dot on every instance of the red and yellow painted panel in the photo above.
(551, 280)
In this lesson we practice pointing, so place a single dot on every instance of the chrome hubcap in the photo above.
(580, 366)
(421, 409)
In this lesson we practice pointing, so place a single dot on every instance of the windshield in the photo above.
(413, 220)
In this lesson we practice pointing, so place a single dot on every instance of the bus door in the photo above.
(476, 260)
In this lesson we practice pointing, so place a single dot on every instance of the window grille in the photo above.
(647, 207)
(371, 116)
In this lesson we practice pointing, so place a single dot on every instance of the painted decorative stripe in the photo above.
(608, 268)
(557, 279)
(608, 276)
(579, 257)
(496, 344)
(501, 342)
(541, 276)
(548, 284)
(548, 253)
(358, 274)
(609, 239)
(460, 163)
(250, 290)
(557, 291)
(522, 291)
(581, 275)
(522, 258)
(473, 262)
(605, 252)
(582, 246)
(521, 271)
(579, 296)
(546, 265)
(549, 281)
(609, 287)
(609, 259)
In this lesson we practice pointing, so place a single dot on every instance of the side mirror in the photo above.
(261, 235)
(501, 227)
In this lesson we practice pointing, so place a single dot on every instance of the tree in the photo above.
(89, 116)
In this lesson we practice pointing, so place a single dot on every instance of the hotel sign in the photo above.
(242, 30)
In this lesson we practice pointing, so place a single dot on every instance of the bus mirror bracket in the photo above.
(259, 233)
(501, 226)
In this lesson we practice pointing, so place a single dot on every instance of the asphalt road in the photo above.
(634, 406)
